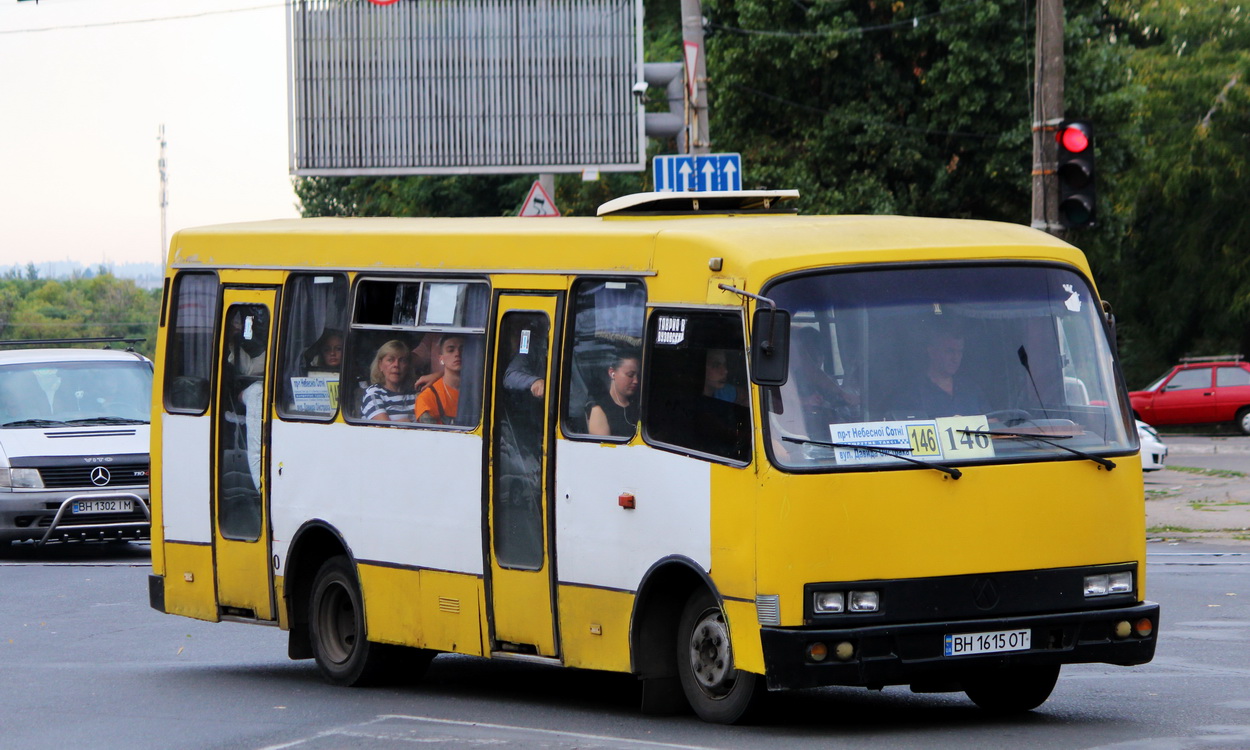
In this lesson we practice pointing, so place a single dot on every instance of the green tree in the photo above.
(1182, 266)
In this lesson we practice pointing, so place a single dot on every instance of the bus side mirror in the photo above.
(770, 346)
(1110, 318)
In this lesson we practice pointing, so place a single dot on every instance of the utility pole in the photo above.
(1047, 114)
(697, 138)
(164, 202)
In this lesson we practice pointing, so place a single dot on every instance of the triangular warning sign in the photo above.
(538, 203)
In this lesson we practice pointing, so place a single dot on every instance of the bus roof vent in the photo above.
(712, 202)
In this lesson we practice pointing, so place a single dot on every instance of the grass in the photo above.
(1168, 529)
(1216, 505)
(1221, 473)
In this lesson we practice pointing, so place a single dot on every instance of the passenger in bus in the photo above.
(945, 391)
(327, 352)
(716, 379)
(617, 412)
(526, 368)
(438, 403)
(389, 397)
(811, 400)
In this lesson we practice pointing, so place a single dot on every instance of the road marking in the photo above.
(360, 731)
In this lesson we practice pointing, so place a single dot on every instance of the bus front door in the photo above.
(240, 490)
(520, 524)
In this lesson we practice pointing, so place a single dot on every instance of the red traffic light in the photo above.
(1074, 138)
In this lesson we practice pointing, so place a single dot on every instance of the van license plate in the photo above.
(967, 644)
(102, 506)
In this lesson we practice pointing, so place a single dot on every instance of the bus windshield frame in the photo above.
(944, 364)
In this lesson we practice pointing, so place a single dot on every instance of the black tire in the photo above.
(1243, 420)
(717, 691)
(1011, 690)
(336, 625)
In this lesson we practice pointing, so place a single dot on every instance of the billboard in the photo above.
(464, 86)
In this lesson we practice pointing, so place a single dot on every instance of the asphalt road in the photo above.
(85, 663)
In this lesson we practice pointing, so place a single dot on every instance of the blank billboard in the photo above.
(463, 86)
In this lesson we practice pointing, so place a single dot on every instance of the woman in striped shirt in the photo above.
(390, 397)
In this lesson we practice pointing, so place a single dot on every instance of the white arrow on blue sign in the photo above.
(701, 172)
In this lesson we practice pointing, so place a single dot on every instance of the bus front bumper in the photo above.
(914, 654)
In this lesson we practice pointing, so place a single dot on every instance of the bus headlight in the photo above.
(27, 479)
(828, 602)
(864, 601)
(1106, 584)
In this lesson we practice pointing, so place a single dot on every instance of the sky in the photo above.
(85, 86)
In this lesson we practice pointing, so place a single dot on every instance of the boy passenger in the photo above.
(437, 403)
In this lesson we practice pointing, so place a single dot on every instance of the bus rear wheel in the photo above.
(1011, 690)
(716, 690)
(336, 619)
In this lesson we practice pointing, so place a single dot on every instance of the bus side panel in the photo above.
(408, 497)
(744, 635)
(451, 613)
(594, 627)
(190, 587)
(600, 543)
(185, 502)
(422, 608)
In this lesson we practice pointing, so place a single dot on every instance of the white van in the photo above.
(74, 444)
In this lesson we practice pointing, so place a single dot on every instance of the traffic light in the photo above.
(1075, 167)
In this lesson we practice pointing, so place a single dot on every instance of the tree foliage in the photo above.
(102, 305)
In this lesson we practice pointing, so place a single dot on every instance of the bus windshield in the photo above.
(942, 365)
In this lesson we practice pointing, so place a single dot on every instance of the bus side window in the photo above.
(189, 360)
(604, 370)
(696, 391)
(311, 359)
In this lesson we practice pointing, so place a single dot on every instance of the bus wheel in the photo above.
(336, 621)
(1012, 690)
(716, 690)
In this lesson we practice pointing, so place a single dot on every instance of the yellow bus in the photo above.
(699, 438)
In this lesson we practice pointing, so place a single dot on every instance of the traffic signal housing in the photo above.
(1075, 167)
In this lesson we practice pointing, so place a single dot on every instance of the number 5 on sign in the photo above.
(957, 440)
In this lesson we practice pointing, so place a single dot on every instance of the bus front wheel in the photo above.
(716, 690)
(336, 620)
(1011, 690)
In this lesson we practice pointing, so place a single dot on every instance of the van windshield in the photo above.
(36, 394)
(945, 364)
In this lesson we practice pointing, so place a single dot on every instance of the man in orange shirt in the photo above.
(437, 403)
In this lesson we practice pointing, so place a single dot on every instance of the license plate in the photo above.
(102, 506)
(967, 644)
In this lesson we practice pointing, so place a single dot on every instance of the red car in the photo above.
(1200, 390)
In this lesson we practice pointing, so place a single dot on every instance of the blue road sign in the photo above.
(702, 172)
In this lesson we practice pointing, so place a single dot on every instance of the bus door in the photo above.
(522, 574)
(241, 535)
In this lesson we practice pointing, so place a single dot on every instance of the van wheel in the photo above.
(716, 690)
(1011, 690)
(1243, 420)
(336, 620)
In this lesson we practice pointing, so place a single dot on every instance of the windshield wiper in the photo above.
(107, 420)
(884, 450)
(34, 423)
(1103, 462)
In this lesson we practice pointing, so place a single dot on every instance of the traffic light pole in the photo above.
(1047, 114)
(692, 36)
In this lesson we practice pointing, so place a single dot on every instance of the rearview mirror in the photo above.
(770, 346)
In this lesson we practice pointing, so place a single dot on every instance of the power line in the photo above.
(103, 24)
